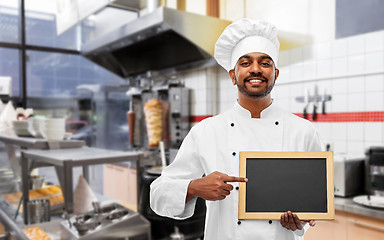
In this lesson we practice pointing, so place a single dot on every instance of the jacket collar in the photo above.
(270, 112)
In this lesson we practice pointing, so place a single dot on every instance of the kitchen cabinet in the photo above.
(232, 9)
(361, 227)
(347, 226)
(329, 229)
(120, 182)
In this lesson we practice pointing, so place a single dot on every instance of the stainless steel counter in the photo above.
(347, 205)
(131, 225)
(40, 143)
(64, 160)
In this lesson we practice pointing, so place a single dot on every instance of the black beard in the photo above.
(243, 89)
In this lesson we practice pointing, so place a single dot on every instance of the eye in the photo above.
(266, 64)
(244, 63)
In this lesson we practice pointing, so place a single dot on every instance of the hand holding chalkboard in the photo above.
(292, 222)
(212, 187)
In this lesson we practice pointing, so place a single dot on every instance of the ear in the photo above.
(277, 71)
(232, 75)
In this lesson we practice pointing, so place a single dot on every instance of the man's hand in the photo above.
(212, 187)
(290, 221)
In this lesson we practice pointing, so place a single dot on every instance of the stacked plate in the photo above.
(54, 128)
(23, 128)
(38, 126)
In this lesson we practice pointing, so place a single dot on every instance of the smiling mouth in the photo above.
(256, 81)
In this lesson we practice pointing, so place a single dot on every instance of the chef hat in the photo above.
(246, 36)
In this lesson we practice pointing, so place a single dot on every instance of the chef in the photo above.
(207, 162)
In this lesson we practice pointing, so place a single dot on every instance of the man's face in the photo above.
(254, 75)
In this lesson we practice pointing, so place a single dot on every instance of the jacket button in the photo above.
(237, 188)
(276, 123)
(234, 154)
(238, 222)
(270, 221)
(232, 124)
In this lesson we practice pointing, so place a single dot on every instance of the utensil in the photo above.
(315, 101)
(162, 154)
(306, 102)
(323, 100)
(38, 211)
(35, 182)
(96, 207)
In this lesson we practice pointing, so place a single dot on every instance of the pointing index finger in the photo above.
(235, 179)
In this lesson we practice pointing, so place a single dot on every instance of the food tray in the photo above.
(52, 229)
(52, 193)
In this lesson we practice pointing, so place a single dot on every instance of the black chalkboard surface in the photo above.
(301, 182)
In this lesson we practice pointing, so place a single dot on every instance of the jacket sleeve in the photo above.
(169, 191)
(299, 234)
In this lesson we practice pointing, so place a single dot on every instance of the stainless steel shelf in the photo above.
(80, 156)
(64, 160)
(40, 143)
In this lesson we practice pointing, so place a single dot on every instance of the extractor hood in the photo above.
(163, 39)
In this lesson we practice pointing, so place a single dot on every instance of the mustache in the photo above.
(255, 75)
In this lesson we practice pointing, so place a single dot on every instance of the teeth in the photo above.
(255, 81)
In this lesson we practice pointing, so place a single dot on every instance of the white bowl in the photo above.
(54, 134)
(20, 124)
(23, 132)
(38, 126)
(23, 128)
(55, 121)
(49, 129)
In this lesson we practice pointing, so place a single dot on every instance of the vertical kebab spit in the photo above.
(153, 120)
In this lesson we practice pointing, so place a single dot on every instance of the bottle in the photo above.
(131, 123)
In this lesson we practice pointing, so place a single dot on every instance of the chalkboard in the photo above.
(301, 182)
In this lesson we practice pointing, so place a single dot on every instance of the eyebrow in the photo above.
(262, 57)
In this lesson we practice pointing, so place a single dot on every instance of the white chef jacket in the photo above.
(214, 145)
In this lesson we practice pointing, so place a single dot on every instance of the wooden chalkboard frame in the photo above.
(328, 156)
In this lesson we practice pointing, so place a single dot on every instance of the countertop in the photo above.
(347, 205)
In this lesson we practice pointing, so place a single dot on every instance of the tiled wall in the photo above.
(351, 70)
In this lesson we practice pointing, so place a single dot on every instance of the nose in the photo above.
(255, 68)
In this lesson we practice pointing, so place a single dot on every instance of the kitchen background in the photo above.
(349, 69)
(331, 51)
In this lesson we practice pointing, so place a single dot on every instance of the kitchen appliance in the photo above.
(374, 163)
(137, 131)
(175, 101)
(178, 115)
(349, 176)
(163, 227)
(112, 221)
(162, 39)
